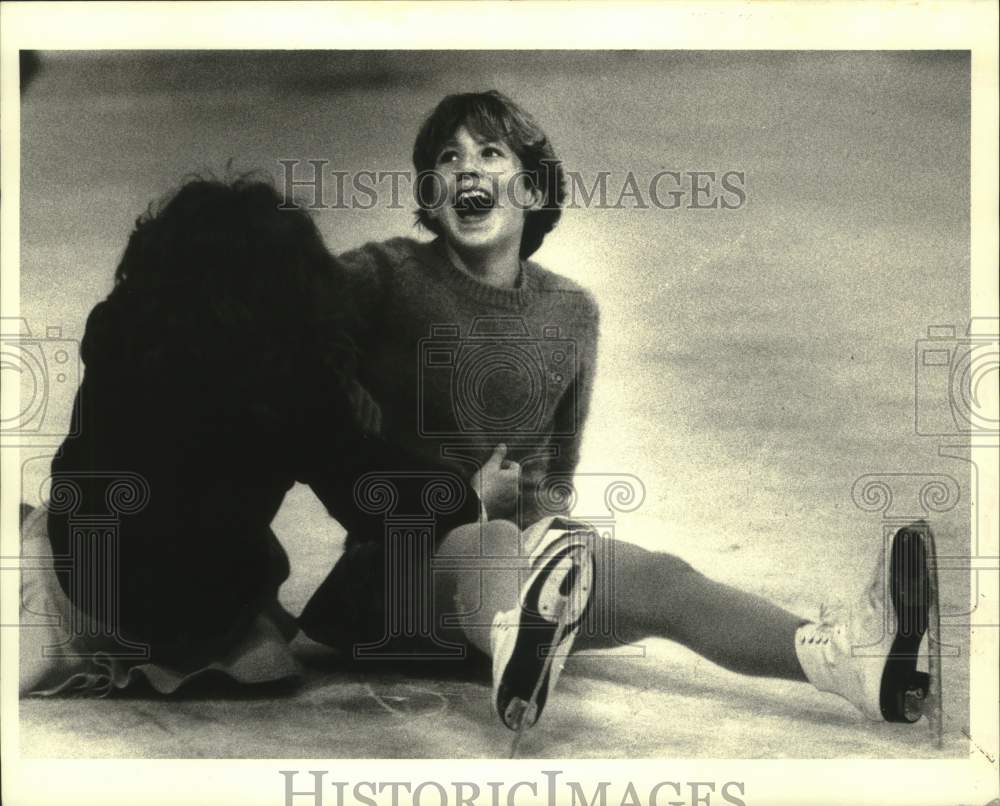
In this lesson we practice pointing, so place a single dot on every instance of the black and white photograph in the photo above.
(472, 402)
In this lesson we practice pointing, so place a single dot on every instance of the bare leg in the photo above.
(647, 594)
(660, 595)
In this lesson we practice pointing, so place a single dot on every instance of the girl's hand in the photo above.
(498, 483)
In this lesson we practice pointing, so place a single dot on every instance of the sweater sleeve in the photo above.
(367, 274)
(539, 495)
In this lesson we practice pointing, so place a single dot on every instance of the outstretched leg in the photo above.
(868, 657)
(653, 594)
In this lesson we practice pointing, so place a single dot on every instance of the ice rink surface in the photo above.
(754, 363)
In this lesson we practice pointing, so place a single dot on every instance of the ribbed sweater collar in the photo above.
(434, 254)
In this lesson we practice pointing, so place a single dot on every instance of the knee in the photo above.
(671, 568)
(492, 539)
(636, 566)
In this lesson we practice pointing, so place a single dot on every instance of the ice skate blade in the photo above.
(543, 637)
(520, 714)
(915, 697)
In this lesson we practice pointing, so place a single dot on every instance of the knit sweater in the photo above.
(459, 366)
(190, 485)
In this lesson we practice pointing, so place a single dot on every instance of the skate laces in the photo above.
(828, 626)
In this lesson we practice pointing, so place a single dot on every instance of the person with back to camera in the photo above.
(218, 373)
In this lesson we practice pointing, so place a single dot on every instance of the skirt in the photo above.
(61, 652)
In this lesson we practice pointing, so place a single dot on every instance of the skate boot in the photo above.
(870, 657)
(530, 643)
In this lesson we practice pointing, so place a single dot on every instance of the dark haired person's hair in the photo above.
(494, 116)
(227, 300)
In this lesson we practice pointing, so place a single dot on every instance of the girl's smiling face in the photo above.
(482, 194)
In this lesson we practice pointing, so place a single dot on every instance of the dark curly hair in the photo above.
(495, 116)
(227, 299)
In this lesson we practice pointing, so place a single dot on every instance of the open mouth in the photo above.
(473, 204)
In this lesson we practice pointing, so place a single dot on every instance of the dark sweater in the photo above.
(196, 558)
(458, 365)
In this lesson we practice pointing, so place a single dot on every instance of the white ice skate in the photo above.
(530, 643)
(870, 657)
